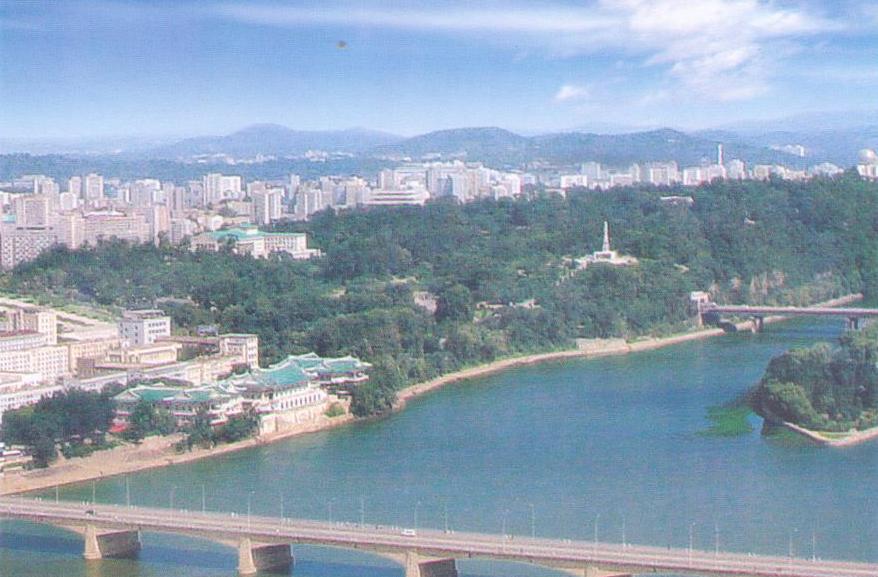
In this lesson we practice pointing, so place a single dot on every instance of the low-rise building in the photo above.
(251, 241)
(244, 346)
(218, 402)
(144, 355)
(144, 327)
(334, 374)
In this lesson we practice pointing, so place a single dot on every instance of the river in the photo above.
(551, 448)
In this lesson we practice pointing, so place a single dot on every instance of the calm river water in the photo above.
(615, 440)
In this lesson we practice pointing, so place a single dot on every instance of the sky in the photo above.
(96, 68)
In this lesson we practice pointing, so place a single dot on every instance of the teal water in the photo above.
(615, 437)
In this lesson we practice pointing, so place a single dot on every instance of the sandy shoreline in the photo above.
(152, 453)
(852, 438)
(158, 451)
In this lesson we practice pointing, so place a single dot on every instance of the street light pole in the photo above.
(813, 545)
(596, 519)
(362, 510)
(249, 498)
(93, 493)
(716, 539)
(445, 514)
(533, 522)
(417, 506)
(203, 499)
(623, 531)
(691, 539)
(127, 491)
(171, 498)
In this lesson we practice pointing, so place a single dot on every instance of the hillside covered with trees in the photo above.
(499, 273)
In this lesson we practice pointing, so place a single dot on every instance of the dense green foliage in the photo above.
(497, 271)
(824, 388)
(146, 420)
(201, 434)
(73, 417)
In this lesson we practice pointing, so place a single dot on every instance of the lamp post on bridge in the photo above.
(417, 507)
(597, 518)
(505, 515)
(203, 499)
(691, 540)
(171, 497)
(249, 499)
(533, 522)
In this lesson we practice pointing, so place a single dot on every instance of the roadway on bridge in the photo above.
(789, 311)
(549, 552)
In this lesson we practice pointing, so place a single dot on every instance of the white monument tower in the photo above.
(606, 245)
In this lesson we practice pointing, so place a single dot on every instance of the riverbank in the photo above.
(159, 451)
(152, 453)
(593, 348)
(834, 439)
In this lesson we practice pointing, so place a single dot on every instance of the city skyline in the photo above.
(98, 69)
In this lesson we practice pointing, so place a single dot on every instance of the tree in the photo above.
(454, 304)
(140, 421)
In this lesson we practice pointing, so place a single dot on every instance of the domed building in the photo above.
(868, 156)
(868, 165)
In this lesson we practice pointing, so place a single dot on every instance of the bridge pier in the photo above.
(417, 566)
(594, 571)
(853, 324)
(100, 544)
(253, 558)
(758, 324)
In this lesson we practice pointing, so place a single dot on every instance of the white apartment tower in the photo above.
(93, 187)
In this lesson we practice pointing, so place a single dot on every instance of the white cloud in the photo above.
(456, 18)
(569, 92)
(714, 49)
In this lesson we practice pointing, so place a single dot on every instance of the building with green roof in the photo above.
(220, 402)
(248, 239)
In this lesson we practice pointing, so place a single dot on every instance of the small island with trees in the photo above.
(829, 393)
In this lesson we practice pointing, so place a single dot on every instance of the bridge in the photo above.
(264, 543)
(758, 313)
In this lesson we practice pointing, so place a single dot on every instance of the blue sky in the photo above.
(113, 67)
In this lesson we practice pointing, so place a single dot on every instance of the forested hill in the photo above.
(822, 387)
(498, 273)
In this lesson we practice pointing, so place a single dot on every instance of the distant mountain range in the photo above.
(493, 146)
(500, 148)
(838, 140)
(273, 139)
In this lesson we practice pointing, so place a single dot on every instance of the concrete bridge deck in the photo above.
(426, 553)
(847, 312)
